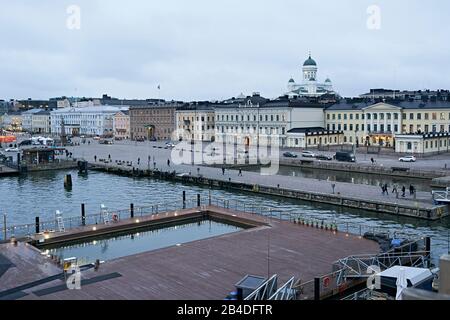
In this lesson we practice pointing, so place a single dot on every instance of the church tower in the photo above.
(309, 71)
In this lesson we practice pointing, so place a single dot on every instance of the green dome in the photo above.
(310, 62)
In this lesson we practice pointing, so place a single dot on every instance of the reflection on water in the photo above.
(355, 178)
(138, 241)
(41, 194)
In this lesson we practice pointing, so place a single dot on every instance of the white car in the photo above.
(170, 145)
(12, 150)
(308, 154)
(407, 159)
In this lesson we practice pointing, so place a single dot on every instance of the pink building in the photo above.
(121, 125)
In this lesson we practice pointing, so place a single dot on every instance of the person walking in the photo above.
(139, 161)
(394, 188)
(382, 188)
(386, 189)
(168, 162)
(411, 190)
(223, 171)
(240, 172)
(95, 158)
(403, 191)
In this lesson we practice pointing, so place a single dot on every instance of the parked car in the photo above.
(324, 157)
(345, 156)
(290, 155)
(105, 142)
(308, 154)
(139, 139)
(170, 145)
(12, 150)
(408, 159)
(96, 138)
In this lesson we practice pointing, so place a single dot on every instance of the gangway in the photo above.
(441, 196)
(60, 221)
(268, 290)
(104, 213)
(365, 266)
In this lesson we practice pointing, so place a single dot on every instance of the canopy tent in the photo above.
(7, 139)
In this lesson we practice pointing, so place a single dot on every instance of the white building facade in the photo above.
(257, 120)
(89, 121)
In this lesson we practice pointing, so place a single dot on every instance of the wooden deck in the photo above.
(201, 270)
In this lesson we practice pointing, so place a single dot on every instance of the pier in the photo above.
(342, 194)
(203, 270)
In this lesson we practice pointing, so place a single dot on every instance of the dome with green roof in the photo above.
(310, 62)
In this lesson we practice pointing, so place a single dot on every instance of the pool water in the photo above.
(129, 243)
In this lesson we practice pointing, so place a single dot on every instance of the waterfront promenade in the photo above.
(200, 270)
(133, 152)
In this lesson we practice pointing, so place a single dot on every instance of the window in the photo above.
(339, 116)
(411, 116)
(434, 116)
(396, 116)
(419, 116)
(296, 142)
(345, 116)
(409, 146)
(328, 116)
(427, 116)
(345, 127)
(351, 116)
(357, 116)
(426, 144)
(351, 127)
(404, 116)
(334, 116)
(375, 116)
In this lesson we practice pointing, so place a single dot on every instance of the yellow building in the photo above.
(378, 124)
(195, 123)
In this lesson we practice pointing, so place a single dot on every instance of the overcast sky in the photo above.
(215, 49)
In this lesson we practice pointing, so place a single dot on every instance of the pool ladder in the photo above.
(60, 221)
(105, 214)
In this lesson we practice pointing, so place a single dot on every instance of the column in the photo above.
(399, 131)
(371, 121)
(365, 125)
(392, 124)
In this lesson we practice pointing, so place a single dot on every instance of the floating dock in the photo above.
(200, 270)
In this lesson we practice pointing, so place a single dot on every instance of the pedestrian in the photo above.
(223, 171)
(168, 162)
(386, 189)
(394, 188)
(403, 191)
(139, 161)
(240, 172)
(109, 157)
(411, 190)
(95, 158)
(371, 160)
(198, 170)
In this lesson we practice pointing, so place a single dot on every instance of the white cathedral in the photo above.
(310, 87)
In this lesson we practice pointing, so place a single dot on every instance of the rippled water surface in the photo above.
(40, 194)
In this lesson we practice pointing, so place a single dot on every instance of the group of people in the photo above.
(385, 190)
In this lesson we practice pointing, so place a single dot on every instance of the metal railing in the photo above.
(271, 212)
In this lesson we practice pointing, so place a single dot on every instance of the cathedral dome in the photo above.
(310, 62)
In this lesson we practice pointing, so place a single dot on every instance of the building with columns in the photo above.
(256, 119)
(379, 123)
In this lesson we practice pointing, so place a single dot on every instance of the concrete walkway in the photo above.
(130, 152)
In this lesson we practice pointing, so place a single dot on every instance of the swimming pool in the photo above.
(137, 241)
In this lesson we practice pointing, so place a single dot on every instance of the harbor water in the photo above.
(42, 193)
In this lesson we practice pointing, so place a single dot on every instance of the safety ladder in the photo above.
(105, 214)
(60, 221)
